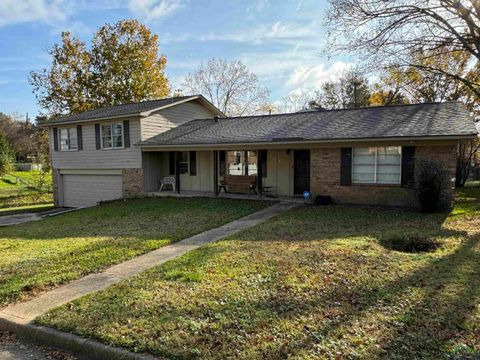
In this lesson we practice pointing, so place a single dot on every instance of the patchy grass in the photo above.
(43, 254)
(311, 283)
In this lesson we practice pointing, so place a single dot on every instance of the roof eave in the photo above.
(140, 114)
(196, 97)
(318, 141)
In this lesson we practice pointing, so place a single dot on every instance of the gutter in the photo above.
(302, 142)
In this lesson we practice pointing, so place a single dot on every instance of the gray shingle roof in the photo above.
(122, 110)
(417, 120)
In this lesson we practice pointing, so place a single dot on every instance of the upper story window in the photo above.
(112, 136)
(68, 139)
(377, 165)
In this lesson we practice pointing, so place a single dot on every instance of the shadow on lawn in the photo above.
(438, 323)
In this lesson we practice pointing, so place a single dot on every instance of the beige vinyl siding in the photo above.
(203, 181)
(154, 169)
(279, 172)
(171, 117)
(91, 158)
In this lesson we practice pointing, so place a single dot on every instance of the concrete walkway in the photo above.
(24, 313)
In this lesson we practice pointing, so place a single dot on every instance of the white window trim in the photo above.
(187, 162)
(59, 130)
(113, 147)
(376, 169)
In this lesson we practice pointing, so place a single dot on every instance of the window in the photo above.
(112, 136)
(377, 165)
(241, 162)
(183, 162)
(238, 158)
(68, 139)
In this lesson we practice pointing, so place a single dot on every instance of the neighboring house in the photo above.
(360, 155)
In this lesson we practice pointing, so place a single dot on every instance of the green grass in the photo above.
(20, 179)
(20, 188)
(39, 255)
(312, 283)
(26, 209)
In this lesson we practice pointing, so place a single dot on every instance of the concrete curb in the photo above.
(82, 347)
(18, 318)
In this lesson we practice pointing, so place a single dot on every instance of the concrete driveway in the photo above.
(27, 217)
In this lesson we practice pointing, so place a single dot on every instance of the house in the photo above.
(362, 155)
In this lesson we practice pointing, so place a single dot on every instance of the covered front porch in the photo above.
(233, 173)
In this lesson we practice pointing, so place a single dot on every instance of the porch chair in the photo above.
(168, 180)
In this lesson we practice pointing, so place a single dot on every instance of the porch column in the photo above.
(177, 171)
(215, 171)
(245, 161)
(259, 172)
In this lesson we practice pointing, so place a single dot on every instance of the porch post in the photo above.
(259, 172)
(177, 171)
(245, 161)
(215, 171)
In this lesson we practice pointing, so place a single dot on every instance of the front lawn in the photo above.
(315, 282)
(24, 188)
(42, 254)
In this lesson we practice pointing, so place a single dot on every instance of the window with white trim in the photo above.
(112, 136)
(68, 139)
(184, 162)
(377, 165)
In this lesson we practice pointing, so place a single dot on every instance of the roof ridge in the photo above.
(351, 109)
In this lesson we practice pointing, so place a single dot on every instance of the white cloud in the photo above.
(287, 33)
(15, 11)
(151, 10)
(313, 76)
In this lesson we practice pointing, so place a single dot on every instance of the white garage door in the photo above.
(87, 190)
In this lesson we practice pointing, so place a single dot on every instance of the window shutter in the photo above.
(263, 161)
(346, 166)
(126, 133)
(55, 139)
(193, 163)
(222, 163)
(79, 138)
(171, 163)
(97, 136)
(408, 165)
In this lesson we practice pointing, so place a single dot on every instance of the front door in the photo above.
(301, 177)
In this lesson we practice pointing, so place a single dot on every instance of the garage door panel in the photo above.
(87, 190)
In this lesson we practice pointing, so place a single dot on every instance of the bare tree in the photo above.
(395, 32)
(297, 101)
(230, 86)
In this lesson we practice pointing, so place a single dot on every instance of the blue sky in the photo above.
(280, 41)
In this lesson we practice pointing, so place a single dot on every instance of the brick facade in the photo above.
(132, 182)
(325, 178)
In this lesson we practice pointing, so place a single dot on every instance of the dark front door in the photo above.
(301, 177)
